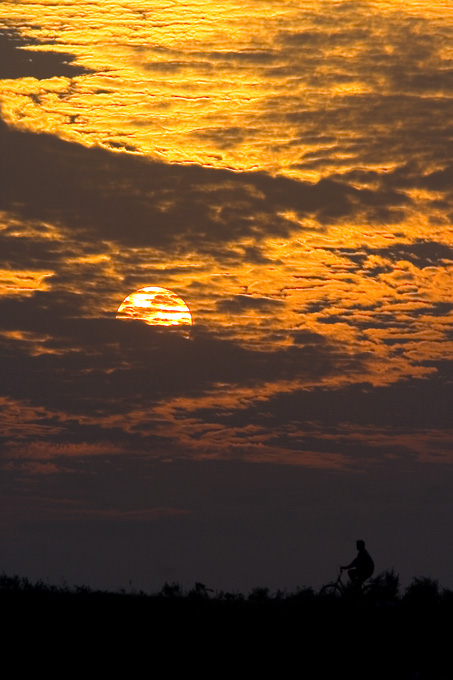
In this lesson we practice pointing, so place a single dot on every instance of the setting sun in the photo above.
(156, 307)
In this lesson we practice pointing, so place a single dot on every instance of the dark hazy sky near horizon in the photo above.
(286, 169)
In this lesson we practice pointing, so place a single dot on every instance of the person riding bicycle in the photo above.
(362, 567)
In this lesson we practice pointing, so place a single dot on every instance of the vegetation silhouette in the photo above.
(383, 589)
(388, 631)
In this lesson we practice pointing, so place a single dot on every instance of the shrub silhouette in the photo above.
(171, 590)
(229, 597)
(422, 590)
(259, 595)
(385, 586)
(199, 592)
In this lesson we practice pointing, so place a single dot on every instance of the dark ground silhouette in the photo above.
(383, 634)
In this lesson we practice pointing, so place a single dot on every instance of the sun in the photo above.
(156, 307)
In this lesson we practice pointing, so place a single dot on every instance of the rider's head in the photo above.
(360, 545)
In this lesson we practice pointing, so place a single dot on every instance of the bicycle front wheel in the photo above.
(332, 590)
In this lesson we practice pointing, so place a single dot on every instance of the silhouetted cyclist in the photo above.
(362, 567)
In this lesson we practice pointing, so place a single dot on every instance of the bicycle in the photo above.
(338, 589)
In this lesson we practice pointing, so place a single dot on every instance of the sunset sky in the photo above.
(285, 168)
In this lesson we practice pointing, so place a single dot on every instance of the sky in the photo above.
(286, 169)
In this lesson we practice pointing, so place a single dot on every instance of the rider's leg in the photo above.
(357, 578)
(353, 576)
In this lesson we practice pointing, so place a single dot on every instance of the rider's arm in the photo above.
(349, 566)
